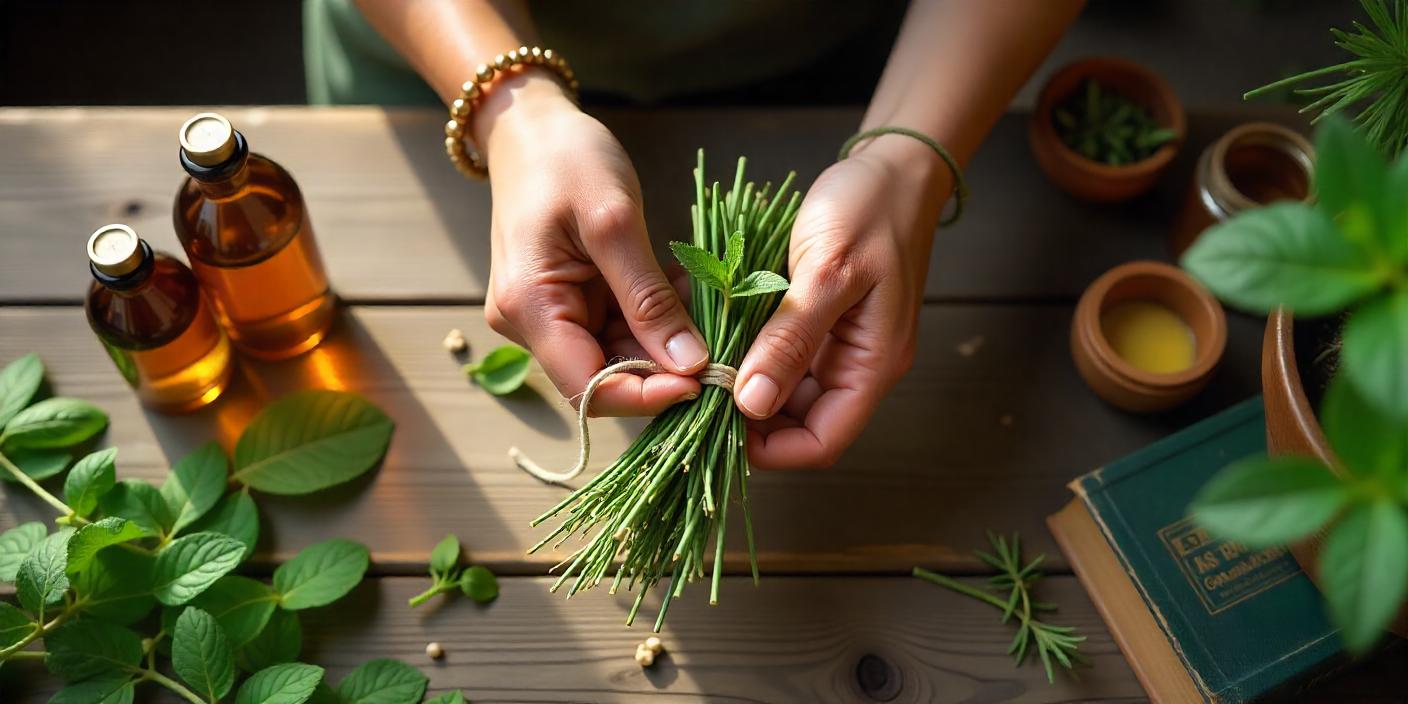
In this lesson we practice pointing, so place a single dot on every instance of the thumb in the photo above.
(615, 238)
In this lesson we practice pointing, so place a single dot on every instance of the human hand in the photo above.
(573, 277)
(844, 332)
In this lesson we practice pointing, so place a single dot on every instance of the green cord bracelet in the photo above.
(960, 185)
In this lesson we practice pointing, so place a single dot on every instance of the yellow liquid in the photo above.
(1149, 336)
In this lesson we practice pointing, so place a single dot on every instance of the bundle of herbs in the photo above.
(1104, 126)
(652, 512)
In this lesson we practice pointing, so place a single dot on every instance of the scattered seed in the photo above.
(645, 657)
(434, 650)
(455, 342)
(654, 645)
(970, 347)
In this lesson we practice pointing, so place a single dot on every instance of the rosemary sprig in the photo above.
(1058, 644)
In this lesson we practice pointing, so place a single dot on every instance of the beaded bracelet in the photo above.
(465, 158)
(960, 184)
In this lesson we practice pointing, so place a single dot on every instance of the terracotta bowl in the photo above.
(1293, 429)
(1092, 180)
(1117, 381)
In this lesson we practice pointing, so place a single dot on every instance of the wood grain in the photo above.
(396, 223)
(983, 433)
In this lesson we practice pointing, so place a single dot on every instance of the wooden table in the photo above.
(983, 434)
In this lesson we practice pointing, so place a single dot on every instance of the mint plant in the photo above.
(502, 371)
(1347, 252)
(446, 575)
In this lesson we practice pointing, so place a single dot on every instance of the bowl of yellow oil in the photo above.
(1147, 337)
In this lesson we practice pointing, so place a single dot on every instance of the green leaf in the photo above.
(235, 516)
(324, 695)
(1284, 254)
(242, 606)
(1396, 210)
(320, 574)
(88, 540)
(14, 625)
(138, 502)
(191, 563)
(759, 282)
(454, 697)
(1375, 354)
(281, 684)
(16, 544)
(1350, 178)
(502, 371)
(37, 464)
(19, 382)
(54, 423)
(109, 689)
(1369, 443)
(445, 556)
(281, 641)
(201, 655)
(1364, 571)
(117, 586)
(88, 647)
(93, 476)
(311, 440)
(382, 682)
(41, 580)
(702, 265)
(195, 485)
(479, 584)
(1264, 501)
(733, 256)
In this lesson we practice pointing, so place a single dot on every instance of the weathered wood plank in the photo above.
(983, 433)
(397, 223)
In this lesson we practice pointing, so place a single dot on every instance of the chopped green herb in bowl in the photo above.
(1104, 126)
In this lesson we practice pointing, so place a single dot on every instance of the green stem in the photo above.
(33, 486)
(14, 649)
(172, 685)
(961, 588)
(28, 655)
(427, 595)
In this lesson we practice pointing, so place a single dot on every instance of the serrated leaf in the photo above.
(53, 423)
(242, 606)
(110, 689)
(502, 371)
(759, 282)
(37, 464)
(41, 579)
(19, 382)
(281, 641)
(195, 485)
(79, 650)
(16, 544)
(1265, 501)
(383, 682)
(733, 255)
(1375, 353)
(15, 625)
(455, 697)
(201, 655)
(311, 440)
(235, 516)
(320, 574)
(92, 477)
(117, 586)
(702, 265)
(88, 540)
(138, 502)
(191, 563)
(293, 683)
(1364, 571)
(479, 584)
(445, 556)
(1283, 254)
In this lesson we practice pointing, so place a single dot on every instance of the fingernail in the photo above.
(686, 350)
(758, 395)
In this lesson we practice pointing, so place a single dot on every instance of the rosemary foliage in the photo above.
(1058, 644)
(1377, 77)
(652, 512)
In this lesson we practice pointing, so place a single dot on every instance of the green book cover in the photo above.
(1243, 621)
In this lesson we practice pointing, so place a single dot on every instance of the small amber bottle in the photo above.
(148, 312)
(243, 223)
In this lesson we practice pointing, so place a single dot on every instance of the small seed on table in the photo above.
(645, 657)
(455, 342)
(654, 644)
(434, 650)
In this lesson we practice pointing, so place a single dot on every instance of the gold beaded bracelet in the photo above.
(466, 159)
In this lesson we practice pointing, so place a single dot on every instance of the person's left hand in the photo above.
(845, 330)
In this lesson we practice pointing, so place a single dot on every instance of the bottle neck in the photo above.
(133, 282)
(225, 179)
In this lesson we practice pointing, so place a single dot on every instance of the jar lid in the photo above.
(115, 250)
(208, 139)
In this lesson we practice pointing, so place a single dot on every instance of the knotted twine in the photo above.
(720, 375)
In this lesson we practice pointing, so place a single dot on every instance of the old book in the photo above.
(1198, 619)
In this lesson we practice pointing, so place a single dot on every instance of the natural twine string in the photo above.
(720, 375)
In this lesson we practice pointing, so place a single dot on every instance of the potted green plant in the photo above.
(1341, 504)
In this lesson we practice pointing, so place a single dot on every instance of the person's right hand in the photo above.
(573, 277)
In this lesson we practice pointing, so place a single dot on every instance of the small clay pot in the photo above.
(1092, 180)
(1121, 383)
(1293, 429)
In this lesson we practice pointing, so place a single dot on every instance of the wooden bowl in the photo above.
(1293, 429)
(1121, 383)
(1092, 180)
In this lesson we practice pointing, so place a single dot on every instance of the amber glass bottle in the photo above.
(148, 312)
(244, 226)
